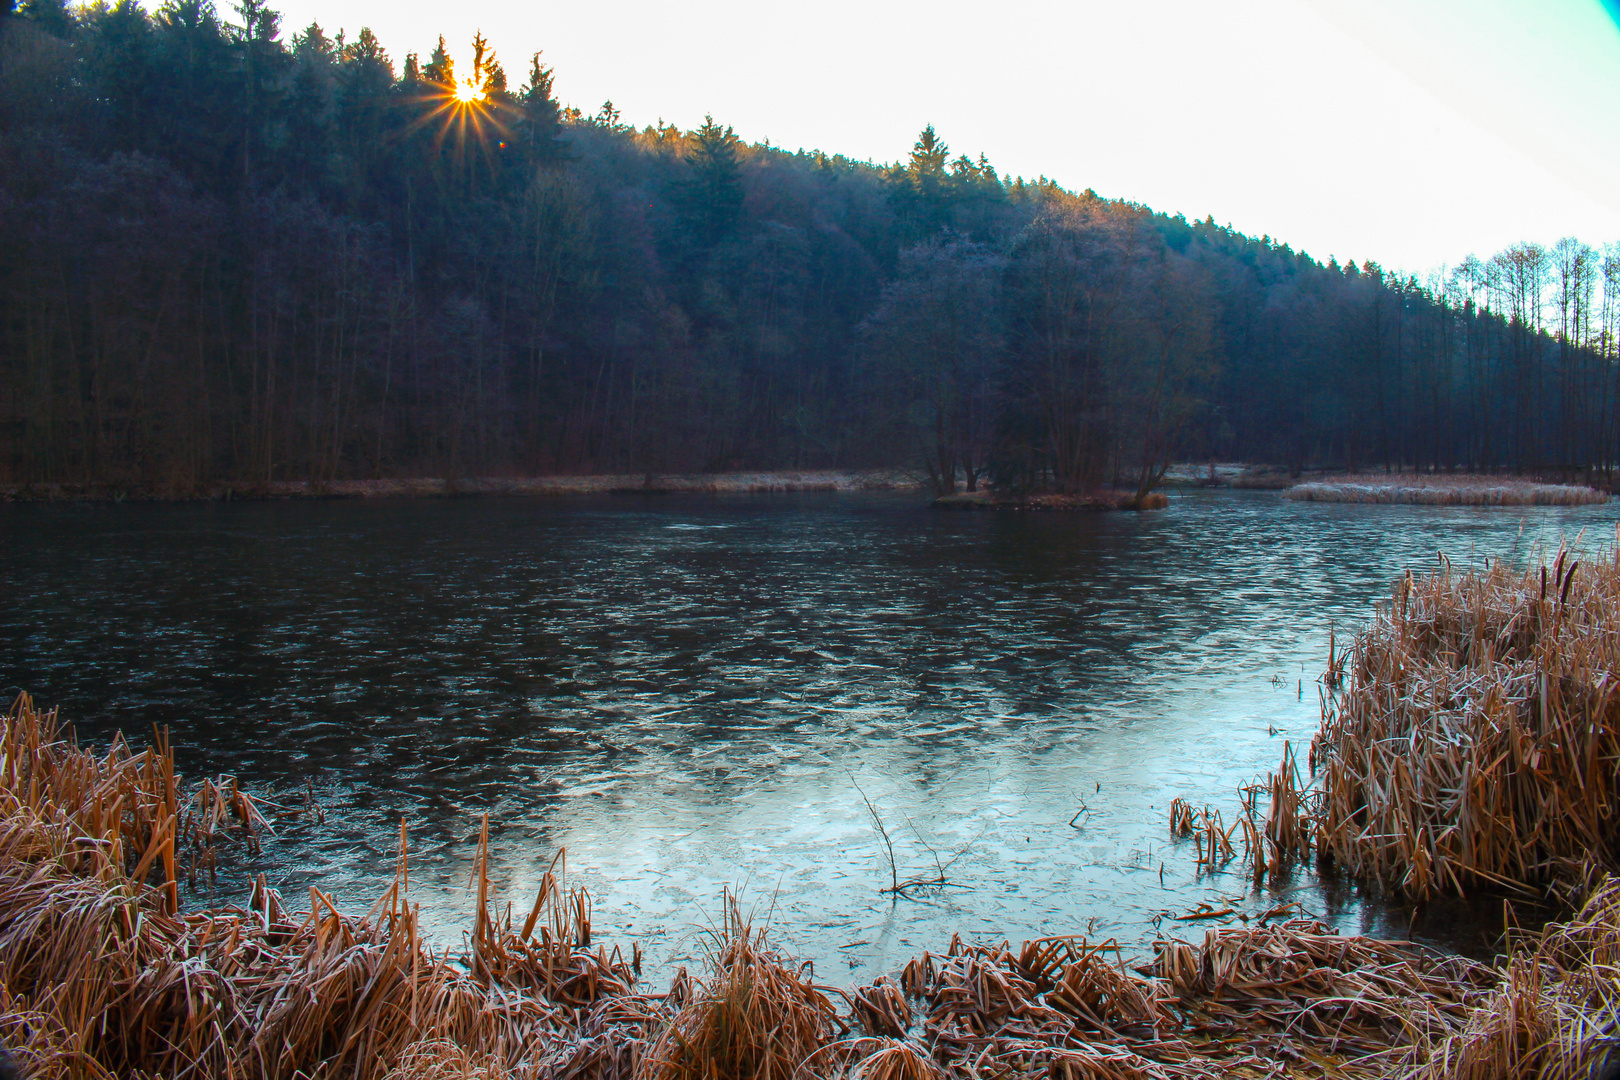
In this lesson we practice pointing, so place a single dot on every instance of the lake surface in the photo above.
(698, 692)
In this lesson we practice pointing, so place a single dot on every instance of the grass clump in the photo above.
(1477, 738)
(755, 1016)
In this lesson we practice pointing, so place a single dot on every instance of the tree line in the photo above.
(237, 255)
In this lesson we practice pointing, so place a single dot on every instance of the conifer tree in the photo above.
(540, 123)
(52, 16)
(440, 68)
(921, 192)
(711, 194)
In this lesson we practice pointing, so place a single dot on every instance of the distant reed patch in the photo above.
(1444, 491)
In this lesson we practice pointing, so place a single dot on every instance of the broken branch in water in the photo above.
(888, 844)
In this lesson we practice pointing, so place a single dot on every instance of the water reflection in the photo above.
(694, 692)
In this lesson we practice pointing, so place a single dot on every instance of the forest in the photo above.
(238, 254)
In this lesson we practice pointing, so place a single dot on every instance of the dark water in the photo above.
(690, 693)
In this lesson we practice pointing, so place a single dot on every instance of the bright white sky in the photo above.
(1409, 131)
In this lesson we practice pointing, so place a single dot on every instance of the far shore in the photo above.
(1308, 485)
(440, 488)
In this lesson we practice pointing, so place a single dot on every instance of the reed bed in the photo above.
(1477, 736)
(1444, 491)
(1274, 840)
(102, 974)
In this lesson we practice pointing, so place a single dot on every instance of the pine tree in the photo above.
(262, 59)
(120, 58)
(540, 125)
(52, 16)
(928, 157)
(711, 195)
(922, 190)
(440, 68)
(484, 63)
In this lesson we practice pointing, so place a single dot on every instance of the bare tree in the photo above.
(936, 338)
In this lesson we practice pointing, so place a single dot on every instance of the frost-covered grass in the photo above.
(1444, 491)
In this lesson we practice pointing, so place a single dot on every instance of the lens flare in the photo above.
(466, 92)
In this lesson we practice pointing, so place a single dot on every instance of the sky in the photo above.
(1413, 132)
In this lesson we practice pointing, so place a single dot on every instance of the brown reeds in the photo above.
(99, 969)
(101, 976)
(1444, 491)
(1555, 1011)
(1258, 1000)
(1478, 735)
(756, 1014)
(1211, 836)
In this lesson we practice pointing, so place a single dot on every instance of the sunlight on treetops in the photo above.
(466, 92)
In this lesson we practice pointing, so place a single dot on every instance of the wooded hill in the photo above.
(234, 256)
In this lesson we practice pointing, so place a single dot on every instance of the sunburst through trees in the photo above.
(469, 116)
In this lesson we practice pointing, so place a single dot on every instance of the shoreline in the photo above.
(1315, 484)
(762, 482)
(1309, 485)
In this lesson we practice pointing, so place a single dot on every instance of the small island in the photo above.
(1106, 499)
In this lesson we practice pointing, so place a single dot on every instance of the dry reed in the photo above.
(756, 1014)
(99, 969)
(1474, 743)
(1477, 737)
(1555, 1011)
(102, 976)
(1444, 491)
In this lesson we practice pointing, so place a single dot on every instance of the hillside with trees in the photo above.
(239, 255)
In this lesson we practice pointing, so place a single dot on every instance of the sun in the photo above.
(466, 92)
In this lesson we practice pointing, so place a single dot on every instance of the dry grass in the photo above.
(755, 1015)
(1438, 490)
(1477, 737)
(1555, 1012)
(1274, 842)
(100, 971)
(895, 1061)
(102, 976)
(1474, 743)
